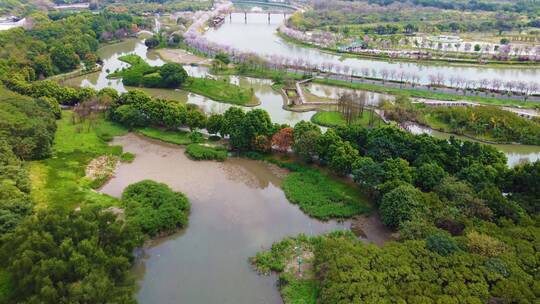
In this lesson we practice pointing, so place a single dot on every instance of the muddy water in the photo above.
(237, 210)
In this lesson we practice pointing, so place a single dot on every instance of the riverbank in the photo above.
(426, 94)
(454, 61)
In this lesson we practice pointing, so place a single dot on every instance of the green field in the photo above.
(335, 119)
(59, 181)
(173, 137)
(221, 90)
(322, 196)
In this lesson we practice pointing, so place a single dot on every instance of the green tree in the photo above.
(223, 58)
(155, 208)
(441, 243)
(130, 116)
(152, 42)
(214, 124)
(397, 169)
(400, 205)
(195, 119)
(76, 257)
(428, 175)
(343, 157)
(173, 75)
(64, 58)
(305, 144)
(326, 144)
(368, 173)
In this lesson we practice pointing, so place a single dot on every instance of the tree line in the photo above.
(46, 47)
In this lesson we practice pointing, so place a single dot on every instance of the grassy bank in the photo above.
(335, 119)
(322, 196)
(292, 259)
(204, 152)
(172, 137)
(60, 181)
(254, 72)
(454, 61)
(141, 74)
(425, 94)
(221, 90)
(485, 123)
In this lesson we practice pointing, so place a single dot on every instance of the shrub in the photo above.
(127, 157)
(130, 116)
(400, 205)
(201, 152)
(484, 244)
(321, 196)
(441, 243)
(196, 137)
(155, 208)
(152, 80)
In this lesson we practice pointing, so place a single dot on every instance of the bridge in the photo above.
(267, 12)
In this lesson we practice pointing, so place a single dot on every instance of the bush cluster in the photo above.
(203, 152)
(155, 208)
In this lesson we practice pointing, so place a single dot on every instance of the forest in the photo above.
(423, 16)
(465, 226)
(59, 46)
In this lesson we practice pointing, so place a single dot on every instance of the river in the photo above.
(238, 209)
(516, 154)
(271, 101)
(259, 36)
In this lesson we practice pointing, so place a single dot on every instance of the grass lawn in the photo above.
(300, 291)
(322, 196)
(426, 94)
(173, 137)
(335, 119)
(221, 90)
(59, 181)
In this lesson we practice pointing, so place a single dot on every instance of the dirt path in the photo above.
(182, 56)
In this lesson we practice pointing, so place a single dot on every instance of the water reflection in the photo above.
(271, 101)
(516, 154)
(259, 36)
(238, 208)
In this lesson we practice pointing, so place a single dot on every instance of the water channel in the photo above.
(271, 101)
(238, 209)
(257, 35)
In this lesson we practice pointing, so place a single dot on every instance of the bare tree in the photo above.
(384, 75)
(351, 106)
(496, 84)
(432, 79)
(532, 87)
(522, 86)
(365, 72)
(483, 83)
(415, 79)
(510, 86)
